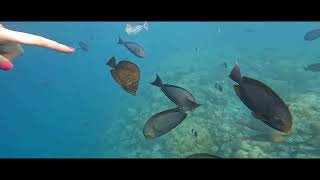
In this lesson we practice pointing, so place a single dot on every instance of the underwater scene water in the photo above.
(56, 105)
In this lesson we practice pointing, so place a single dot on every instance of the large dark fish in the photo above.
(313, 67)
(134, 48)
(263, 101)
(203, 156)
(83, 46)
(178, 95)
(163, 122)
(126, 73)
(312, 35)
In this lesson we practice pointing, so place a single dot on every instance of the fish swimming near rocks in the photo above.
(83, 46)
(313, 67)
(178, 95)
(134, 48)
(126, 74)
(163, 122)
(218, 86)
(312, 35)
(203, 156)
(133, 29)
(266, 105)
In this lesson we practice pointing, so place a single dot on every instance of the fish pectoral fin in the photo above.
(237, 90)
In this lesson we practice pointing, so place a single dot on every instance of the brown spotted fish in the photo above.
(263, 101)
(126, 73)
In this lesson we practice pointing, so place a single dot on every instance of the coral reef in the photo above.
(216, 120)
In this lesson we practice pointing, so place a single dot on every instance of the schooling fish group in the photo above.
(264, 103)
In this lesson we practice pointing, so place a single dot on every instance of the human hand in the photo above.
(10, 45)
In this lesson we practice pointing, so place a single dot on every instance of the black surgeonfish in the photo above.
(163, 122)
(176, 94)
(203, 156)
(263, 101)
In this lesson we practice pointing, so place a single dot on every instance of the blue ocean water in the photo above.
(68, 105)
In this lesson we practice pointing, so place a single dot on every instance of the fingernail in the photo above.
(72, 49)
(6, 65)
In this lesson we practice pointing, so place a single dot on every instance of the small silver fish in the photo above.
(132, 29)
(194, 132)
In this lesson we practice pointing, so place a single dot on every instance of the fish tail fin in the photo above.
(145, 26)
(120, 40)
(112, 62)
(157, 82)
(236, 74)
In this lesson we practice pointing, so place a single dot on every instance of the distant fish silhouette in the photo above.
(83, 46)
(203, 156)
(312, 35)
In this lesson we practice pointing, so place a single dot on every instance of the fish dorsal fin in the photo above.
(112, 62)
(260, 84)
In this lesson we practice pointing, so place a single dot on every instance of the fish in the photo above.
(225, 65)
(264, 102)
(163, 122)
(313, 67)
(312, 35)
(203, 156)
(194, 132)
(248, 30)
(134, 48)
(133, 29)
(218, 86)
(83, 46)
(178, 95)
(126, 74)
(197, 49)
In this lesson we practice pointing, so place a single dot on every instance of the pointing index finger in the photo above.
(33, 40)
